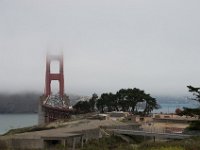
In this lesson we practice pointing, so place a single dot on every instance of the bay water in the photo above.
(13, 121)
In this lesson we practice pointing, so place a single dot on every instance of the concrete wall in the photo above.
(41, 117)
(90, 134)
(20, 144)
(26, 144)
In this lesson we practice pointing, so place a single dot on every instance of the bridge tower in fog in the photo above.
(54, 106)
(54, 76)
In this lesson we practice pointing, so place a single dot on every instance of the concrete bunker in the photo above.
(68, 140)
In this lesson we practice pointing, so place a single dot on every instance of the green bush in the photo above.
(194, 125)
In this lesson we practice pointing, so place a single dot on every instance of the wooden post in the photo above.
(74, 143)
(82, 141)
(64, 143)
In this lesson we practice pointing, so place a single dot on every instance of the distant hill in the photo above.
(24, 103)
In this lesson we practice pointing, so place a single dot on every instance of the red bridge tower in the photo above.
(54, 76)
(54, 107)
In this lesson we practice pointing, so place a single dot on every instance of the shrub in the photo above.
(194, 125)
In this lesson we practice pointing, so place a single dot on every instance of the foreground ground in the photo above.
(116, 143)
(110, 142)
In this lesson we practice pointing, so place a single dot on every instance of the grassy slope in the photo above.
(116, 143)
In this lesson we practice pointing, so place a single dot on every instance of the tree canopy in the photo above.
(122, 100)
(194, 125)
(127, 100)
(192, 111)
(86, 106)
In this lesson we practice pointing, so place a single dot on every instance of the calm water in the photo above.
(11, 121)
(171, 106)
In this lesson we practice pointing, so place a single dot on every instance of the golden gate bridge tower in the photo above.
(54, 76)
(54, 107)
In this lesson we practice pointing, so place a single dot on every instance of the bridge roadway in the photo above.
(151, 134)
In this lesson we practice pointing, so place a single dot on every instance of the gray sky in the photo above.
(108, 44)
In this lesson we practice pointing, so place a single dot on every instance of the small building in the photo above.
(68, 140)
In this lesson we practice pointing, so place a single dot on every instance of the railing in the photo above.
(151, 134)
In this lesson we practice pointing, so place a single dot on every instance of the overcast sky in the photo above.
(108, 44)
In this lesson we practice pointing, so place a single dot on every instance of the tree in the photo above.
(86, 106)
(195, 91)
(193, 111)
(92, 102)
(151, 104)
(129, 99)
(101, 103)
(134, 97)
(178, 111)
(122, 100)
(82, 107)
(194, 125)
(126, 100)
